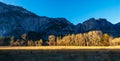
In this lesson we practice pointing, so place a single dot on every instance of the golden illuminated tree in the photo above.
(110, 40)
(17, 42)
(105, 40)
(86, 39)
(94, 37)
(79, 40)
(65, 40)
(72, 39)
(31, 43)
(40, 42)
(51, 41)
(115, 42)
(12, 41)
(58, 41)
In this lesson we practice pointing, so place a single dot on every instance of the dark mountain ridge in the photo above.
(99, 24)
(15, 21)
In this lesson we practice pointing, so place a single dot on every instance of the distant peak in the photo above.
(101, 19)
(61, 18)
(91, 19)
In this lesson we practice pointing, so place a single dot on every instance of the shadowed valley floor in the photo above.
(60, 53)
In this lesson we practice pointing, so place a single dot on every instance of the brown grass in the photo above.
(60, 48)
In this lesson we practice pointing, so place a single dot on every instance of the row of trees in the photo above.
(115, 41)
(25, 42)
(92, 38)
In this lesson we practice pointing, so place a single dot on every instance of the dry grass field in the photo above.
(60, 53)
(60, 48)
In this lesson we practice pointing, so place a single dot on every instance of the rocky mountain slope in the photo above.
(15, 20)
(98, 24)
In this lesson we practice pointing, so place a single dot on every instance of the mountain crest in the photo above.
(15, 21)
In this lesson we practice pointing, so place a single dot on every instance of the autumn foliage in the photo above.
(91, 38)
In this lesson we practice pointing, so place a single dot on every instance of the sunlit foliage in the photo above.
(91, 38)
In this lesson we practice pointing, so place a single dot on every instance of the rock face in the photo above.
(99, 24)
(15, 21)
(117, 27)
(56, 26)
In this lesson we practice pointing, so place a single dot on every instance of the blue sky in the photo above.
(76, 11)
